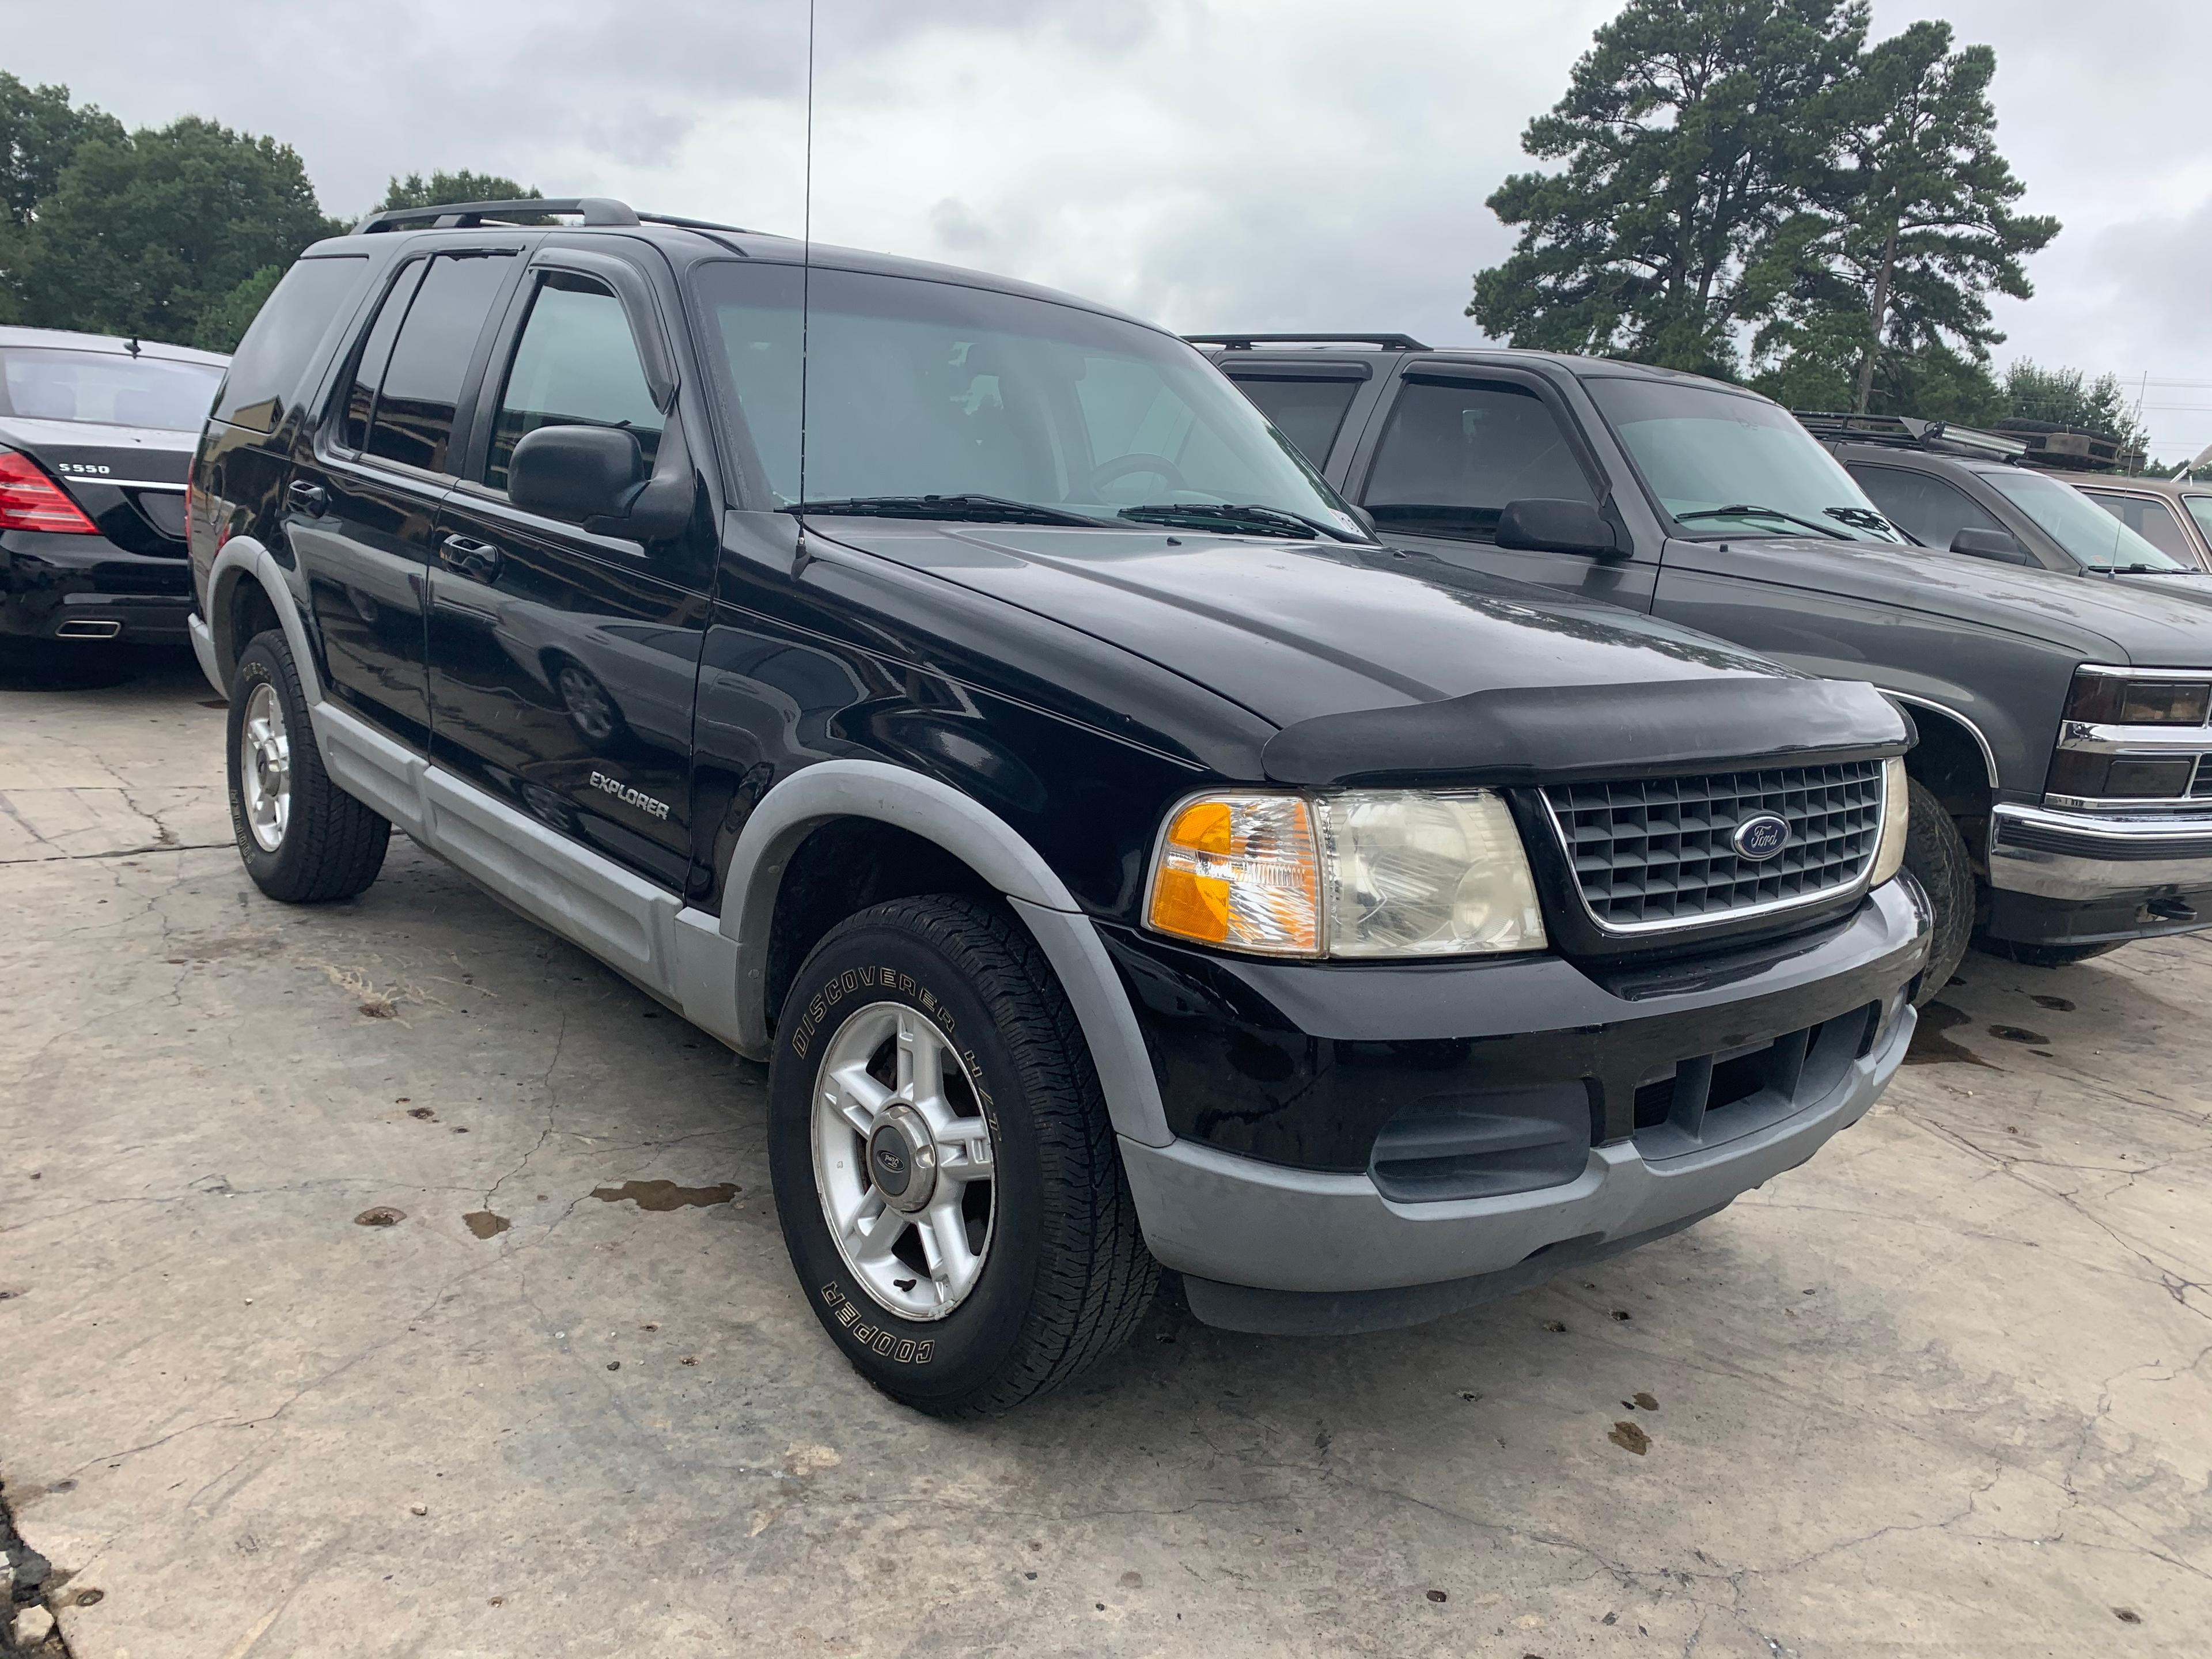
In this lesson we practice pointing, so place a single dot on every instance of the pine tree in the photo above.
(1889, 267)
(1691, 131)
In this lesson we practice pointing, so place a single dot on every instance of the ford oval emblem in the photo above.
(1760, 838)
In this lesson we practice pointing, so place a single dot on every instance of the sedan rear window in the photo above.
(106, 388)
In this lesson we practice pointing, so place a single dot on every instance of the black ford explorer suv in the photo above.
(2061, 719)
(1119, 859)
(95, 434)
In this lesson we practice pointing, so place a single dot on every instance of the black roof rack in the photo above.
(1246, 341)
(1904, 432)
(593, 209)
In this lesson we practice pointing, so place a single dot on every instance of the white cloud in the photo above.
(1210, 163)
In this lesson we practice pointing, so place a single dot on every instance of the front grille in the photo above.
(1659, 853)
(2200, 786)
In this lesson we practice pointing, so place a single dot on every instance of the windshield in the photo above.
(111, 388)
(1722, 464)
(2077, 524)
(964, 401)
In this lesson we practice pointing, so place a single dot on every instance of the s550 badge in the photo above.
(630, 797)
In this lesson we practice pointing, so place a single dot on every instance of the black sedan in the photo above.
(95, 436)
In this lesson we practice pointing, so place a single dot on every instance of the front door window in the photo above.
(1455, 452)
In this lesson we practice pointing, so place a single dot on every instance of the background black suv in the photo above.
(1119, 858)
(2062, 801)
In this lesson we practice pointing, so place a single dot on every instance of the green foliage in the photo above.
(39, 132)
(1894, 252)
(2067, 397)
(1690, 131)
(223, 323)
(143, 235)
(415, 191)
(1750, 170)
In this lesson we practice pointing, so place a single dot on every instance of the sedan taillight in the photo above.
(31, 500)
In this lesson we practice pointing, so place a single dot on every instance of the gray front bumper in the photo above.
(2088, 856)
(1238, 1221)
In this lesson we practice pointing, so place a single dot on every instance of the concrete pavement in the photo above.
(387, 1278)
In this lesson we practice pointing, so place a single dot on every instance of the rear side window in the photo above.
(1309, 412)
(414, 418)
(2151, 519)
(1926, 508)
(281, 343)
(375, 353)
(1455, 453)
(576, 364)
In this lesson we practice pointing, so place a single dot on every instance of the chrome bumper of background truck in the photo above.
(2086, 856)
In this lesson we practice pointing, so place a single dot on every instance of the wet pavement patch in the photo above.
(2017, 1034)
(666, 1194)
(382, 1216)
(2058, 1004)
(1630, 1437)
(1931, 1047)
(484, 1224)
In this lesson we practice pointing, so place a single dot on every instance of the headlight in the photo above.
(1896, 823)
(2106, 699)
(1384, 874)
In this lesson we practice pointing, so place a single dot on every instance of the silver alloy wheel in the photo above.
(264, 767)
(903, 1160)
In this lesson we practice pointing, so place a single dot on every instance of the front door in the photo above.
(564, 664)
(1456, 447)
(360, 505)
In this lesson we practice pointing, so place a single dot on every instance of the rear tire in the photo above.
(2047, 956)
(1048, 1271)
(304, 840)
(1936, 853)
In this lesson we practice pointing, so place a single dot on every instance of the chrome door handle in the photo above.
(310, 498)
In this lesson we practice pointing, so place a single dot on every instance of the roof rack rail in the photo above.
(1246, 341)
(594, 209)
(1904, 432)
(2074, 448)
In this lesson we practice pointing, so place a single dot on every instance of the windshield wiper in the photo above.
(1744, 510)
(965, 509)
(2146, 570)
(1253, 518)
(1862, 518)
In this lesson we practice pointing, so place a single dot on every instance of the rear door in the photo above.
(562, 664)
(364, 497)
(1458, 443)
(1309, 399)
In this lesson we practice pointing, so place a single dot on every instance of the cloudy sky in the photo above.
(1209, 163)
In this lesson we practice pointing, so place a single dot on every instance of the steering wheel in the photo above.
(1122, 465)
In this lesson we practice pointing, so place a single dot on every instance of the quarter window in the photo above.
(266, 368)
(414, 419)
(575, 364)
(1456, 453)
(1926, 508)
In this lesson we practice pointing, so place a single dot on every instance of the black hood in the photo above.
(1441, 670)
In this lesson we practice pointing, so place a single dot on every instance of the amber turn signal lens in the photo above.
(1239, 871)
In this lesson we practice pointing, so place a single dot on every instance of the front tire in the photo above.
(1936, 853)
(947, 1178)
(304, 840)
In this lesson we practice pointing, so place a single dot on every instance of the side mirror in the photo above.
(1364, 519)
(1539, 525)
(575, 472)
(1991, 544)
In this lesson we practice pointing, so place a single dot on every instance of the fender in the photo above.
(980, 839)
(1981, 738)
(243, 559)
